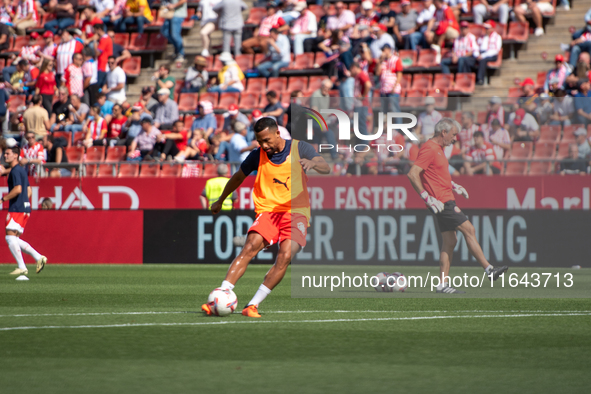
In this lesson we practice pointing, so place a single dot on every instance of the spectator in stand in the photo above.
(426, 14)
(171, 29)
(382, 38)
(115, 83)
(427, 120)
(523, 126)
(495, 111)
(561, 71)
(500, 138)
(238, 147)
(582, 143)
(90, 75)
(144, 142)
(311, 44)
(387, 16)
(481, 157)
(56, 154)
(304, 27)
(36, 118)
(86, 24)
(466, 135)
(580, 44)
(528, 98)
(320, 98)
(487, 8)
(106, 106)
(197, 147)
(172, 143)
(167, 110)
(231, 23)
(164, 80)
(232, 117)
(103, 9)
(116, 14)
(205, 119)
(64, 11)
(27, 16)
(363, 20)
(564, 108)
(406, 27)
(116, 123)
(583, 103)
(64, 53)
(464, 52)
(137, 12)
(230, 77)
(95, 128)
(261, 38)
(30, 52)
(209, 22)
(545, 109)
(46, 86)
(389, 68)
(78, 113)
(458, 6)
(18, 77)
(4, 37)
(332, 45)
(6, 12)
(119, 53)
(103, 49)
(442, 28)
(197, 76)
(273, 108)
(73, 77)
(4, 96)
(343, 20)
(573, 164)
(535, 8)
(362, 94)
(147, 100)
(490, 46)
(48, 51)
(278, 55)
(133, 126)
(32, 152)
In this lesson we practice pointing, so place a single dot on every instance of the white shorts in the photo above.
(545, 8)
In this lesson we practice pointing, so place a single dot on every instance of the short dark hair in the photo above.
(274, 30)
(100, 26)
(76, 54)
(100, 96)
(166, 67)
(15, 149)
(112, 57)
(295, 93)
(272, 94)
(355, 65)
(37, 99)
(478, 134)
(23, 63)
(88, 51)
(265, 123)
(495, 122)
(179, 121)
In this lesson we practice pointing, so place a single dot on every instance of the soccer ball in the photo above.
(223, 301)
(382, 282)
(400, 282)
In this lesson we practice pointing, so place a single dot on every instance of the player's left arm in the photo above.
(29, 192)
(311, 160)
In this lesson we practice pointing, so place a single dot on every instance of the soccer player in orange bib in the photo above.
(282, 205)
(430, 177)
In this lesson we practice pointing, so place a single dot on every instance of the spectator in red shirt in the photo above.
(481, 157)
(45, 85)
(64, 11)
(103, 45)
(171, 143)
(261, 36)
(116, 123)
(362, 93)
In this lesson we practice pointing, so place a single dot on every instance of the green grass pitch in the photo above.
(128, 329)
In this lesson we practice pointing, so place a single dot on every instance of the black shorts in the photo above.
(451, 217)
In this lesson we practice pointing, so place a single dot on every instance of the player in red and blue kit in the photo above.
(19, 211)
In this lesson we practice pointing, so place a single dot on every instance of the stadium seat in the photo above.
(95, 154)
(178, 86)
(408, 55)
(562, 150)
(302, 62)
(219, 119)
(256, 15)
(2, 63)
(263, 101)
(138, 42)
(497, 63)
(514, 93)
(413, 99)
(481, 117)
(188, 102)
(517, 168)
(211, 170)
(278, 84)
(421, 81)
(128, 170)
(320, 58)
(18, 43)
(259, 57)
(440, 96)
(443, 81)
(90, 170)
(541, 168)
(447, 114)
(121, 39)
(189, 23)
(16, 101)
(541, 79)
(545, 150)
(106, 170)
(157, 42)
(285, 100)
(297, 83)
(465, 83)
(75, 154)
(406, 82)
(170, 170)
(477, 30)
(149, 170)
(256, 85)
(65, 135)
(426, 58)
(217, 65)
(317, 10)
(245, 62)
(188, 121)
(226, 99)
(115, 153)
(132, 66)
(501, 29)
(211, 97)
(157, 20)
(518, 32)
(249, 101)
(549, 133)
(521, 150)
(78, 137)
(568, 134)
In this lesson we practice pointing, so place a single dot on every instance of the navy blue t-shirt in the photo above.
(20, 203)
(251, 163)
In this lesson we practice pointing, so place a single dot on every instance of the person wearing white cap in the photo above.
(365, 18)
(230, 76)
(166, 111)
(487, 8)
(427, 120)
(305, 26)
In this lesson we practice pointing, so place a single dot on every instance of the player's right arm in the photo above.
(231, 186)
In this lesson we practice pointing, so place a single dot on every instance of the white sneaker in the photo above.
(539, 31)
(566, 7)
(205, 53)
(564, 47)
(437, 49)
(180, 59)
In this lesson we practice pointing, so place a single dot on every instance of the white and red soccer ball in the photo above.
(223, 301)
(391, 282)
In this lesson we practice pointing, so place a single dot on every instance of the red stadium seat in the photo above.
(285, 99)
(569, 132)
(256, 15)
(217, 65)
(138, 42)
(541, 79)
(121, 39)
(562, 150)
(514, 93)
(518, 32)
(549, 133)
(443, 81)
(95, 154)
(78, 137)
(226, 99)
(421, 81)
(314, 83)
(440, 96)
(249, 100)
(132, 66)
(189, 23)
(541, 168)
(406, 81)
(129, 170)
(157, 20)
(65, 135)
(481, 117)
(188, 121)
(150, 170)
(320, 58)
(317, 10)
(170, 170)
(2, 63)
(256, 85)
(496, 64)
(212, 97)
(75, 154)
(106, 170)
(157, 42)
(426, 58)
(501, 29)
(219, 120)
(90, 170)
(115, 153)
(297, 83)
(447, 114)
(477, 30)
(188, 102)
(278, 84)
(545, 150)
(14, 102)
(211, 170)
(245, 62)
(414, 98)
(178, 86)
(259, 57)
(302, 62)
(465, 83)
(521, 150)
(408, 55)
(518, 168)
(18, 43)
